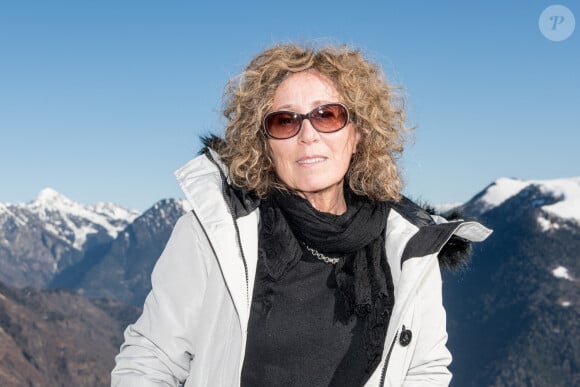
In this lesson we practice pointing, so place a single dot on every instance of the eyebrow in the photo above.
(315, 104)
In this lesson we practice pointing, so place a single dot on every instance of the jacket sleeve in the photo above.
(431, 358)
(158, 348)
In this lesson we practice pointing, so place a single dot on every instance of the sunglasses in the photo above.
(327, 118)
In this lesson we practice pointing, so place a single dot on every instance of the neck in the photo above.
(331, 201)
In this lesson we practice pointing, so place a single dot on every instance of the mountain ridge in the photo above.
(565, 194)
(41, 238)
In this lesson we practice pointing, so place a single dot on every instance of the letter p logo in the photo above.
(556, 20)
(557, 23)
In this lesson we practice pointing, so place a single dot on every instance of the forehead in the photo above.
(305, 89)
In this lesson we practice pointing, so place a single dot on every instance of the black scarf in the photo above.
(363, 276)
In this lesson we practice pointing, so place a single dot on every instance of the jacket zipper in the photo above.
(238, 238)
(239, 241)
(384, 372)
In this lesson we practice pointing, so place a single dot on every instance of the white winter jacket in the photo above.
(194, 323)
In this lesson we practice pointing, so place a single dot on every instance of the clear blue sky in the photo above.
(103, 100)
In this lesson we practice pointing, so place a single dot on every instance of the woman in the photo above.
(300, 264)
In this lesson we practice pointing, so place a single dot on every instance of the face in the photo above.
(311, 162)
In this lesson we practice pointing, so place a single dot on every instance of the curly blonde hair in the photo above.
(377, 112)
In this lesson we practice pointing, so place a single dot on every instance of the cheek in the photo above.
(281, 159)
(278, 154)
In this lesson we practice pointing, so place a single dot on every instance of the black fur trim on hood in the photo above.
(456, 253)
(211, 141)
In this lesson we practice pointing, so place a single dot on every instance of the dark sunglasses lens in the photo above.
(282, 124)
(329, 118)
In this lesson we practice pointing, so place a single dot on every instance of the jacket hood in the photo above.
(455, 254)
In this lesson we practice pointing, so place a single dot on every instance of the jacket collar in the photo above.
(223, 221)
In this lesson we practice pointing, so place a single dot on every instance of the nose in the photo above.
(307, 132)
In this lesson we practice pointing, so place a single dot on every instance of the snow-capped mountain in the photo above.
(43, 237)
(74, 221)
(558, 200)
(518, 304)
(122, 270)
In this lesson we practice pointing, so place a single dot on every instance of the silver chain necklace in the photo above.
(322, 257)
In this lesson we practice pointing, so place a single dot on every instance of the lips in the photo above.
(311, 160)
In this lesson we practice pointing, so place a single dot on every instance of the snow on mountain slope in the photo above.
(565, 192)
(6, 213)
(562, 272)
(445, 207)
(500, 191)
(568, 191)
(71, 221)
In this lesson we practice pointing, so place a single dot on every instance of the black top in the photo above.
(296, 336)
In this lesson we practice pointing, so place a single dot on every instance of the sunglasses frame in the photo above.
(303, 117)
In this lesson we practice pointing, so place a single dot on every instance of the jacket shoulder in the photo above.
(435, 235)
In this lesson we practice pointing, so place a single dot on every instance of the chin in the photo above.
(318, 187)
